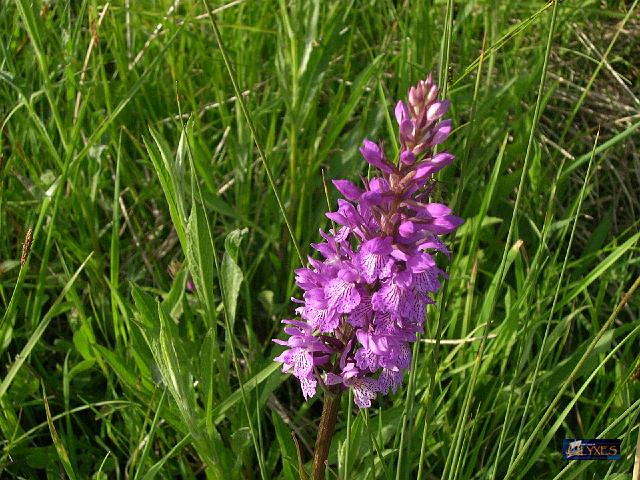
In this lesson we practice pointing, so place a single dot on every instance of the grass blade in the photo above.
(254, 132)
(37, 333)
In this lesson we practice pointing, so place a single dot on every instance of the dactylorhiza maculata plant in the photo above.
(364, 303)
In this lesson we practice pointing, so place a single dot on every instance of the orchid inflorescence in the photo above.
(364, 304)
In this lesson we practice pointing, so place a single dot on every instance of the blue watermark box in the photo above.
(590, 449)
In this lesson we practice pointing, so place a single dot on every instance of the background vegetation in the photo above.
(123, 145)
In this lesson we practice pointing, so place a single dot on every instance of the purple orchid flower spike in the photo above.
(365, 301)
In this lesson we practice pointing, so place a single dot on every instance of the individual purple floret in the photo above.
(365, 302)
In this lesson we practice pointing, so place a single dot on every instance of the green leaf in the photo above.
(83, 366)
(171, 181)
(230, 272)
(199, 253)
(124, 370)
(82, 340)
(173, 300)
(249, 385)
(287, 447)
(146, 309)
(174, 366)
(63, 455)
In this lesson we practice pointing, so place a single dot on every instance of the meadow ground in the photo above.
(125, 151)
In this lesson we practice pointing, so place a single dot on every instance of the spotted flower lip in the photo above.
(364, 301)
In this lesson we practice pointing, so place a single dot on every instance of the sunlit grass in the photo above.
(124, 146)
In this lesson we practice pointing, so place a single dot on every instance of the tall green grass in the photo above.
(151, 146)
